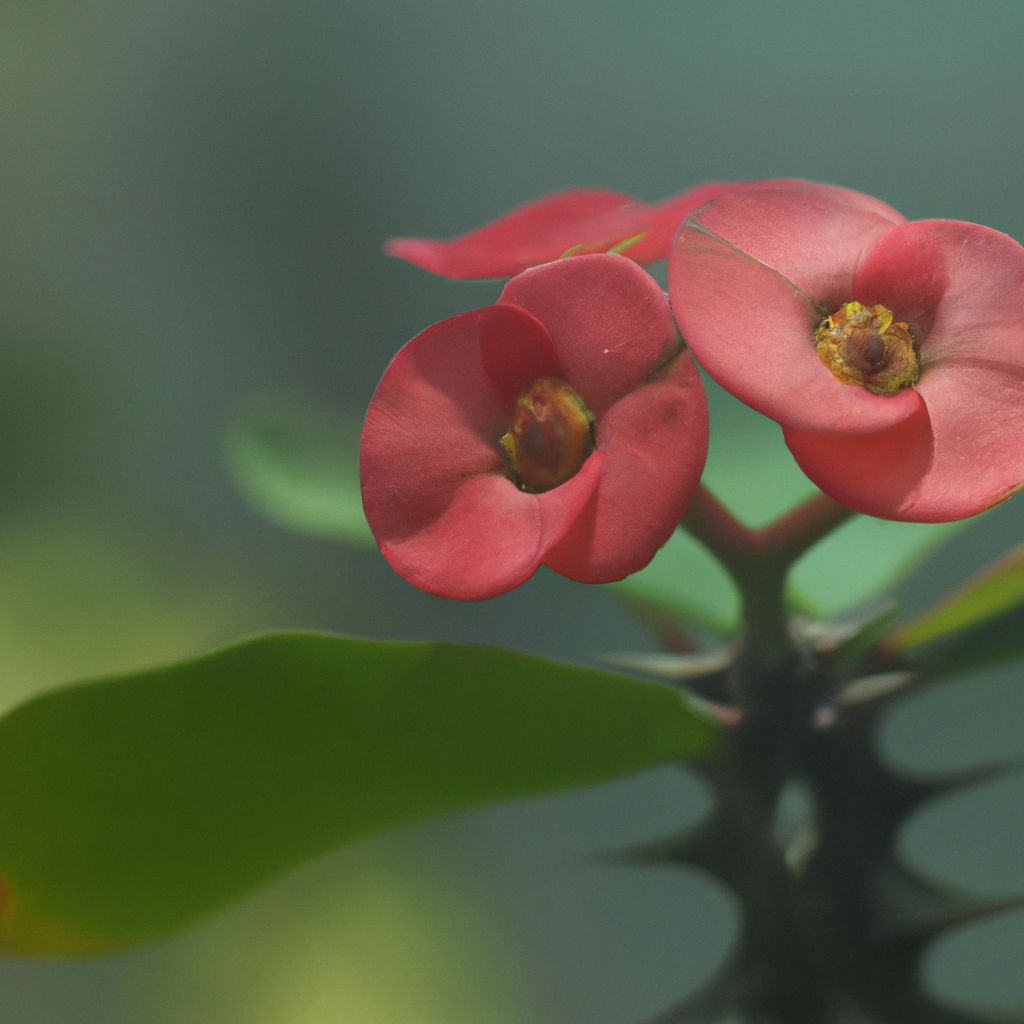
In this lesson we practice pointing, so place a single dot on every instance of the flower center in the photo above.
(550, 437)
(864, 345)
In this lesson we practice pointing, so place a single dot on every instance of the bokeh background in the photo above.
(193, 197)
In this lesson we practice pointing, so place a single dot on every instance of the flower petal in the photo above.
(654, 442)
(533, 233)
(960, 287)
(811, 235)
(731, 282)
(977, 415)
(439, 410)
(608, 319)
(662, 221)
(963, 453)
(585, 220)
(837, 192)
(516, 349)
(877, 474)
(491, 537)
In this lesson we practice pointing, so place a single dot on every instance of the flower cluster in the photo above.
(566, 424)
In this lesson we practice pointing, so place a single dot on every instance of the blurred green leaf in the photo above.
(299, 468)
(687, 582)
(979, 624)
(749, 466)
(131, 806)
(997, 589)
(86, 599)
(988, 644)
(863, 559)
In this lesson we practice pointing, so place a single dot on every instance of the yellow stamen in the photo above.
(865, 345)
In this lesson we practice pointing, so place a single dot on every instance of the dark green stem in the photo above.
(759, 561)
(776, 684)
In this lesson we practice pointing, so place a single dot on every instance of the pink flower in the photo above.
(563, 426)
(592, 219)
(891, 352)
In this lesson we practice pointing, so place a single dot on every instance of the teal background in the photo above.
(193, 197)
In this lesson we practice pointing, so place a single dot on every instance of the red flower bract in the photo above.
(755, 273)
(585, 219)
(438, 491)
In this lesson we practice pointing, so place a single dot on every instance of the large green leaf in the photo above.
(130, 806)
(300, 468)
(979, 624)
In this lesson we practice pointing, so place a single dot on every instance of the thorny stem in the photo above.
(834, 926)
(776, 685)
(759, 560)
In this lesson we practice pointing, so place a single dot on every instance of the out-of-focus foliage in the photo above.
(77, 602)
(300, 469)
(132, 806)
(980, 623)
(378, 934)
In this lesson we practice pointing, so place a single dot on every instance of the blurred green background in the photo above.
(193, 198)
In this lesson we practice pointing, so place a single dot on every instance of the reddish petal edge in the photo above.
(655, 443)
(532, 233)
(752, 329)
(492, 537)
(961, 454)
(608, 319)
(876, 474)
(585, 221)
(849, 196)
(812, 236)
(662, 221)
(976, 414)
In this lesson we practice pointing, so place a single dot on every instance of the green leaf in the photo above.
(990, 643)
(131, 806)
(687, 582)
(863, 559)
(988, 600)
(749, 466)
(299, 468)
